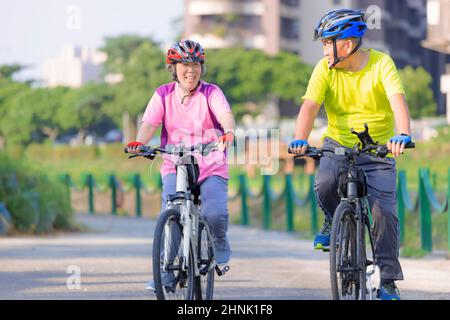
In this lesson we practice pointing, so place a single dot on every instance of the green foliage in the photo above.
(119, 49)
(419, 95)
(83, 108)
(251, 76)
(37, 203)
(143, 71)
(249, 79)
(7, 71)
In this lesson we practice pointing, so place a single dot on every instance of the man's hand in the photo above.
(298, 147)
(397, 144)
(132, 146)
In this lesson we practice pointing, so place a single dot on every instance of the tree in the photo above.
(143, 72)
(290, 76)
(119, 49)
(15, 116)
(7, 71)
(419, 95)
(47, 103)
(251, 77)
(82, 108)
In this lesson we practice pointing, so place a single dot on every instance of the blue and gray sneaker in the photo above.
(322, 240)
(388, 291)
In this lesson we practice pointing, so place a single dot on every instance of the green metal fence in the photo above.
(425, 202)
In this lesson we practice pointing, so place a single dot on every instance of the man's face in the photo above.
(343, 47)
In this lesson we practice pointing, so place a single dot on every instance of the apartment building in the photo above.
(74, 67)
(268, 25)
(396, 27)
(438, 39)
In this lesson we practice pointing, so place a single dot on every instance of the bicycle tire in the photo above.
(183, 283)
(204, 283)
(345, 284)
(362, 260)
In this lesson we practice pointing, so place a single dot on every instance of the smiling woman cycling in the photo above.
(192, 111)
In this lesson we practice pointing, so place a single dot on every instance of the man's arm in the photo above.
(402, 121)
(305, 121)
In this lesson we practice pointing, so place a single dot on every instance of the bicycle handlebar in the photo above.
(152, 152)
(380, 150)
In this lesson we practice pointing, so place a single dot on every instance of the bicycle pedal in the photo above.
(221, 272)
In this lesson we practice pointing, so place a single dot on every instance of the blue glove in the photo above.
(298, 144)
(403, 138)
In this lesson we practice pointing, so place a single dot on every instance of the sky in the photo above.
(33, 31)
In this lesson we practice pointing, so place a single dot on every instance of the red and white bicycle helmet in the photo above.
(185, 51)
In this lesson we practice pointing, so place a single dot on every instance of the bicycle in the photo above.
(351, 224)
(183, 247)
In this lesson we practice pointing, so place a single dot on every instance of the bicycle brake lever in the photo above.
(382, 151)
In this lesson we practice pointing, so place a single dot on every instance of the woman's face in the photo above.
(189, 74)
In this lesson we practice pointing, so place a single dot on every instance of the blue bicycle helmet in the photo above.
(341, 24)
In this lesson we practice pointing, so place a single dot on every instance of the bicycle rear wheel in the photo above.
(345, 273)
(204, 283)
(171, 282)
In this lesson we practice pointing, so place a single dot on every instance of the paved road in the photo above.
(114, 263)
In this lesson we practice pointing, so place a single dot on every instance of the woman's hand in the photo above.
(132, 147)
(225, 140)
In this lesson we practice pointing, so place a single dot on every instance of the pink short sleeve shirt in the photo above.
(195, 121)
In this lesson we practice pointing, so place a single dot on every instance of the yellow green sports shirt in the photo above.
(354, 98)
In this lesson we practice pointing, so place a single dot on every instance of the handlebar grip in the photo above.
(410, 145)
(308, 149)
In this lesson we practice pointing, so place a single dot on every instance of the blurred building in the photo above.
(438, 39)
(74, 67)
(396, 27)
(268, 25)
(400, 32)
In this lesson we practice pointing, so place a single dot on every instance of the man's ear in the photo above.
(349, 45)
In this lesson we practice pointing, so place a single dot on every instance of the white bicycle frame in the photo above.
(190, 225)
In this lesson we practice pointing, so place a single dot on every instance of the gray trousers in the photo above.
(214, 196)
(381, 178)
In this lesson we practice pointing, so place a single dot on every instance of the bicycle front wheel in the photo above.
(172, 281)
(204, 283)
(345, 273)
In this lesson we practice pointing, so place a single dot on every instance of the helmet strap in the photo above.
(336, 58)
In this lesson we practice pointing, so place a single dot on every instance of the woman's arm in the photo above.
(145, 133)
(228, 124)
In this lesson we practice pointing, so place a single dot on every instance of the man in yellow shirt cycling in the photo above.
(357, 86)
